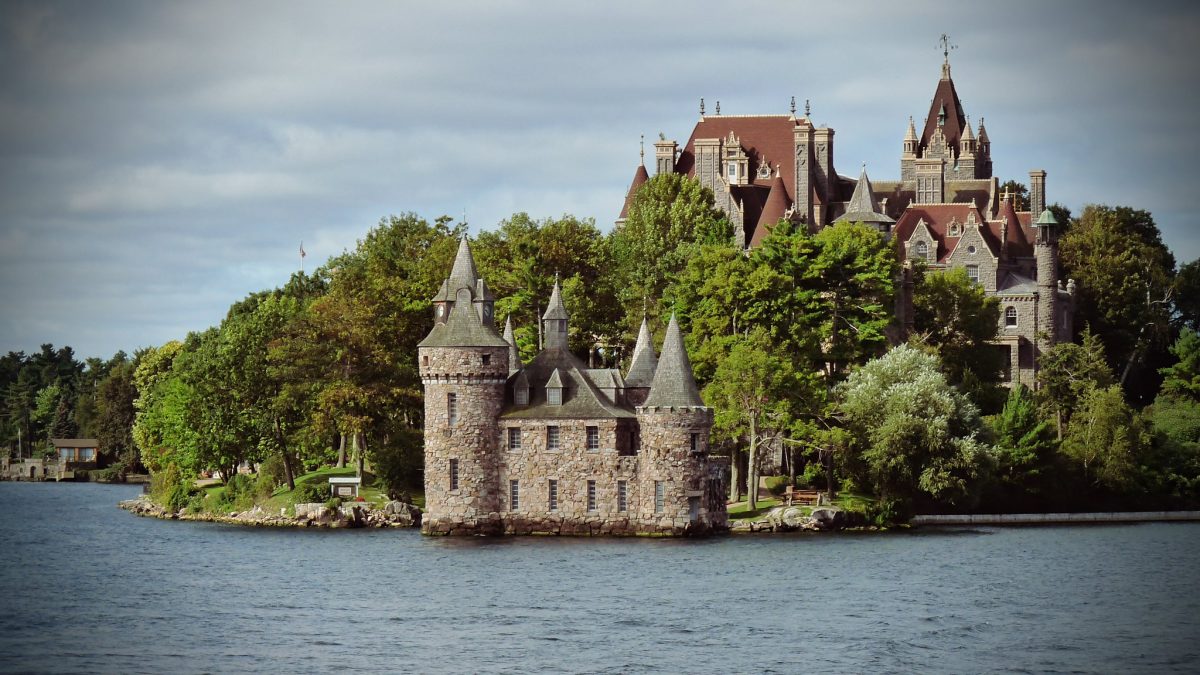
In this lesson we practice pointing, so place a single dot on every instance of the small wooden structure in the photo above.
(809, 497)
(345, 486)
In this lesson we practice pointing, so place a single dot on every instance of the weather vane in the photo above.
(946, 46)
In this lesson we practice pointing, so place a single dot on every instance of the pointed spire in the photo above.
(863, 207)
(555, 308)
(463, 274)
(774, 210)
(967, 135)
(644, 362)
(514, 356)
(674, 385)
(911, 134)
(983, 137)
(640, 176)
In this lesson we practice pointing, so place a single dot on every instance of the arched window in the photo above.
(922, 250)
(1010, 317)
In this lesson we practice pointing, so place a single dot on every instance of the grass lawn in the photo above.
(741, 510)
(282, 498)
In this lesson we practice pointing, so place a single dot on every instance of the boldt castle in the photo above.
(945, 211)
(552, 446)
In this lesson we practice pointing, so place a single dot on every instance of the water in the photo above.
(85, 587)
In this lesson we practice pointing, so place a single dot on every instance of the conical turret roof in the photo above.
(674, 385)
(645, 362)
(463, 328)
(514, 356)
(555, 308)
(911, 134)
(639, 177)
(863, 208)
(463, 274)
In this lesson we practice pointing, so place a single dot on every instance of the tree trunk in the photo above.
(360, 447)
(752, 464)
(287, 462)
(341, 451)
(791, 457)
(735, 494)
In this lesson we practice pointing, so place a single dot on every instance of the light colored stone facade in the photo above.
(553, 447)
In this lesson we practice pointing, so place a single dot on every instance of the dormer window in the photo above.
(942, 116)
(955, 230)
(521, 396)
(554, 395)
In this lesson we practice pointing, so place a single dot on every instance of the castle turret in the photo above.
(641, 367)
(463, 364)
(908, 156)
(514, 356)
(864, 208)
(1045, 251)
(675, 426)
(554, 320)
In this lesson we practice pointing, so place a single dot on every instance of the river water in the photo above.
(86, 587)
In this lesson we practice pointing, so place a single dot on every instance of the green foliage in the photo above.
(959, 320)
(398, 463)
(1187, 295)
(310, 492)
(1182, 380)
(1025, 449)
(271, 474)
(777, 485)
(1105, 438)
(1020, 195)
(1068, 371)
(915, 435)
(1125, 273)
(169, 487)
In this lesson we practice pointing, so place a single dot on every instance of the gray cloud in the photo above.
(162, 160)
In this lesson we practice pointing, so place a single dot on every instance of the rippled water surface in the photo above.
(85, 587)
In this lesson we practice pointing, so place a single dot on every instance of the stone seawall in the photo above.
(1057, 518)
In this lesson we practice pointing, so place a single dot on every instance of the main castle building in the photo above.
(945, 211)
(555, 447)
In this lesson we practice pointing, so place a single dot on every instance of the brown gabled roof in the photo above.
(639, 177)
(1020, 235)
(945, 96)
(75, 442)
(937, 218)
(764, 138)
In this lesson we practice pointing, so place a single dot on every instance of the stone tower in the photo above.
(675, 426)
(641, 367)
(1045, 252)
(464, 364)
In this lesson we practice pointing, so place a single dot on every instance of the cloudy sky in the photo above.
(159, 161)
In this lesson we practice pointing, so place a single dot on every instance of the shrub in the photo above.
(334, 504)
(168, 488)
(777, 485)
(271, 474)
(309, 492)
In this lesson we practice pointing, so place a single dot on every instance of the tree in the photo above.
(1067, 372)
(1125, 274)
(1187, 295)
(750, 392)
(1025, 447)
(115, 415)
(668, 213)
(954, 315)
(1020, 195)
(1105, 437)
(1182, 379)
(914, 436)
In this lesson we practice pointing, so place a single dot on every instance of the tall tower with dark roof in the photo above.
(675, 426)
(946, 136)
(463, 364)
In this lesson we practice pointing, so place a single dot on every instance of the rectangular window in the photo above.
(695, 443)
(522, 396)
(973, 273)
(454, 474)
(487, 359)
(552, 438)
(514, 438)
(593, 438)
(660, 496)
(554, 395)
(622, 495)
(553, 503)
(451, 409)
(514, 495)
(732, 171)
(591, 495)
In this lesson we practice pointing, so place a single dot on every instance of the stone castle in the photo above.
(552, 446)
(946, 210)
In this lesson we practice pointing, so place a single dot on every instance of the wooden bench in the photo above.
(807, 497)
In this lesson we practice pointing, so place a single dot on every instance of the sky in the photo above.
(159, 161)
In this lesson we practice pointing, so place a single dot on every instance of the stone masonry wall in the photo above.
(470, 439)
(667, 457)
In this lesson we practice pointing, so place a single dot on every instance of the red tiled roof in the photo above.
(937, 218)
(1020, 235)
(946, 96)
(768, 137)
(640, 176)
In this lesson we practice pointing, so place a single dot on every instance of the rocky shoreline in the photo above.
(799, 519)
(348, 515)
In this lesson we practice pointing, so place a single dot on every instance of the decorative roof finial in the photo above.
(946, 48)
(807, 108)
(718, 107)
(642, 151)
(793, 106)
(702, 106)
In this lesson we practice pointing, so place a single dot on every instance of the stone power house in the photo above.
(945, 211)
(554, 447)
